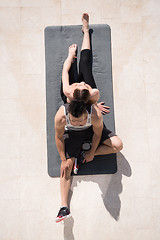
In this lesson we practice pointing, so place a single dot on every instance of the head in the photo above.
(81, 92)
(77, 112)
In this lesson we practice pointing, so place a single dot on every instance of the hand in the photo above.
(104, 109)
(65, 166)
(88, 156)
(72, 51)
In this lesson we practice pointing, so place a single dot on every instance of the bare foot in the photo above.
(85, 22)
(72, 51)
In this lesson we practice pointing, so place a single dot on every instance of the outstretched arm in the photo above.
(94, 96)
(65, 72)
(65, 77)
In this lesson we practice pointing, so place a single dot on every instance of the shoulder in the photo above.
(69, 95)
(94, 95)
(60, 116)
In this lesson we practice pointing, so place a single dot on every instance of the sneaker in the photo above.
(75, 167)
(63, 214)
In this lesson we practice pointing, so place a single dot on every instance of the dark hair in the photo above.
(83, 95)
(77, 108)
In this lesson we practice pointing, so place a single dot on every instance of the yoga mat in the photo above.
(57, 41)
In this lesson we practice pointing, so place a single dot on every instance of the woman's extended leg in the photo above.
(85, 64)
(85, 29)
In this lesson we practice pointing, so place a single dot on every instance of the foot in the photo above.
(63, 214)
(85, 22)
(72, 51)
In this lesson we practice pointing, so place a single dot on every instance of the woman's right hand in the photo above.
(72, 51)
(104, 109)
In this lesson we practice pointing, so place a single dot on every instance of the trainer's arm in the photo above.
(59, 131)
(97, 129)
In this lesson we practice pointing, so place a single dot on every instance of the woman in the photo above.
(81, 87)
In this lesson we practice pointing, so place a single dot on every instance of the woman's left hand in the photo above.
(104, 109)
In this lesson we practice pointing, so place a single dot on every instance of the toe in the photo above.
(71, 46)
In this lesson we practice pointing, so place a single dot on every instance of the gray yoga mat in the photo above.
(57, 41)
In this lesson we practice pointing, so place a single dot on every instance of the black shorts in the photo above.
(75, 139)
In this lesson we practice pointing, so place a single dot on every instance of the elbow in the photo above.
(66, 93)
(95, 95)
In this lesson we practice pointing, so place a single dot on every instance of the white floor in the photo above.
(125, 205)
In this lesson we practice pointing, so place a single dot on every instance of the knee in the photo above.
(67, 170)
(68, 174)
(85, 58)
(118, 145)
(65, 174)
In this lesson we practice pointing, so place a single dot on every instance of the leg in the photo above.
(72, 145)
(85, 64)
(85, 29)
(110, 145)
(65, 183)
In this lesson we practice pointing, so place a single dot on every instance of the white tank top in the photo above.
(69, 126)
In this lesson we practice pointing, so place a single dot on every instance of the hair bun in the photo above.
(81, 95)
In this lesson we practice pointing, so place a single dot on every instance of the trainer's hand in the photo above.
(88, 156)
(65, 166)
(104, 109)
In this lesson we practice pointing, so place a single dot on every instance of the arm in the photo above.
(97, 122)
(65, 72)
(65, 77)
(94, 95)
(59, 131)
(104, 109)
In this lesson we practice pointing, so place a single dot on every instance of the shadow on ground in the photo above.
(68, 229)
(110, 186)
(110, 195)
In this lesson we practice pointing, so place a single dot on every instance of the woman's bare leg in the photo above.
(65, 183)
(85, 29)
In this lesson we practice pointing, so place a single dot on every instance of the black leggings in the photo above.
(85, 72)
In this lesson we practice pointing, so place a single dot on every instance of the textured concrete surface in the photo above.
(125, 205)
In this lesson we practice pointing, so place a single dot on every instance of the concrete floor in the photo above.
(123, 206)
